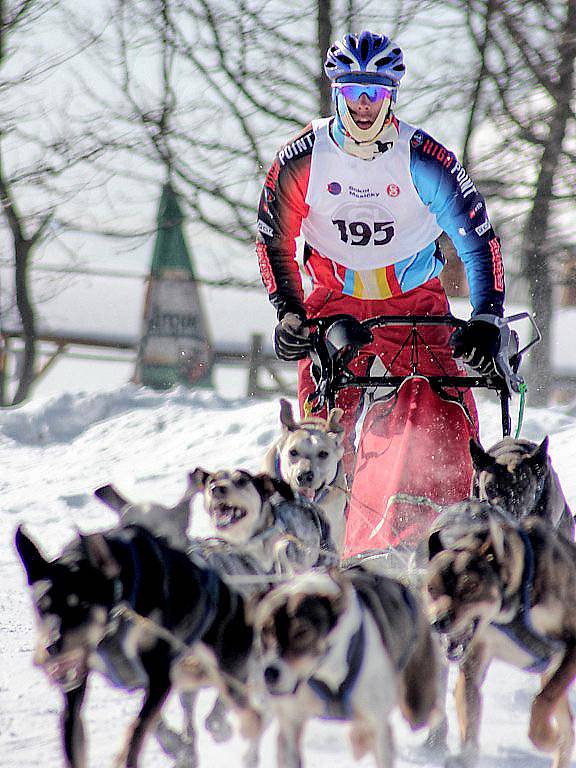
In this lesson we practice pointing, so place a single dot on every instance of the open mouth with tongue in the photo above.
(310, 493)
(225, 515)
(456, 645)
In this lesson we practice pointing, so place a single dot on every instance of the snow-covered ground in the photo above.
(54, 452)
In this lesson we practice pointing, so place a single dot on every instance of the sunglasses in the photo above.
(353, 91)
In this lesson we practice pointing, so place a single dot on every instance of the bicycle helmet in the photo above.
(364, 58)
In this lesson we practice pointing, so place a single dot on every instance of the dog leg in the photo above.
(157, 666)
(543, 733)
(469, 709)
(290, 743)
(384, 746)
(565, 721)
(217, 722)
(73, 728)
(436, 742)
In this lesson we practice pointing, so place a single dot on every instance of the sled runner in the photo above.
(412, 438)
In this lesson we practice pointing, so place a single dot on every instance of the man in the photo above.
(371, 195)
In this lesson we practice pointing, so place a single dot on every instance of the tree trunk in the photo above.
(26, 312)
(536, 250)
(324, 42)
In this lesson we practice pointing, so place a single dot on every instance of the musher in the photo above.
(371, 195)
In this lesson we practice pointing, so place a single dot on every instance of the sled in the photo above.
(412, 440)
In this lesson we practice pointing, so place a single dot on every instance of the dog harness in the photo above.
(521, 630)
(337, 704)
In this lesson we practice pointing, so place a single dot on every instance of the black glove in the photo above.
(291, 338)
(477, 343)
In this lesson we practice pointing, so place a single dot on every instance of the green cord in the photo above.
(523, 389)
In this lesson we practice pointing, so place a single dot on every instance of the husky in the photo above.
(518, 476)
(308, 456)
(349, 645)
(506, 590)
(261, 515)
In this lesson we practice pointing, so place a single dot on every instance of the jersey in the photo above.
(371, 227)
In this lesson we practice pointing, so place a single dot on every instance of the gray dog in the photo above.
(517, 475)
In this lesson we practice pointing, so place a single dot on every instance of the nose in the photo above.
(442, 622)
(305, 477)
(271, 675)
(364, 101)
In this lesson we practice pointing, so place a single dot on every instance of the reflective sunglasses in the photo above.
(373, 91)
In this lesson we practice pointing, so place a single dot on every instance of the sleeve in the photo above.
(280, 212)
(444, 186)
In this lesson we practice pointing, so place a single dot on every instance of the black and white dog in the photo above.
(82, 595)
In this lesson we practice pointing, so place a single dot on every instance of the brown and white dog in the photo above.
(261, 515)
(507, 590)
(348, 645)
(308, 456)
(518, 476)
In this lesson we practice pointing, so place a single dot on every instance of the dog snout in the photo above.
(272, 676)
(305, 477)
(443, 621)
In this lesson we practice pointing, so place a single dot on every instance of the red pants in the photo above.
(409, 446)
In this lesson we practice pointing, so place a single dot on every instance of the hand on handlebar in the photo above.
(291, 340)
(477, 343)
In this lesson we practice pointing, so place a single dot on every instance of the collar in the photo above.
(337, 703)
(520, 629)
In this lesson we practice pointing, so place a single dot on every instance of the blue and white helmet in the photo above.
(367, 55)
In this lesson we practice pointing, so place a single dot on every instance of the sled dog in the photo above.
(518, 476)
(507, 590)
(261, 515)
(308, 456)
(82, 599)
(344, 644)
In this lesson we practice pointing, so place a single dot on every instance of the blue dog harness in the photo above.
(521, 630)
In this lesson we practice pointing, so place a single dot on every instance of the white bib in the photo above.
(365, 214)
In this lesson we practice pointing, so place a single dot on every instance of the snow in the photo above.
(55, 451)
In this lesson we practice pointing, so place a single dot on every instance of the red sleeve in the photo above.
(280, 212)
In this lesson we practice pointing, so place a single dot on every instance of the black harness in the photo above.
(521, 630)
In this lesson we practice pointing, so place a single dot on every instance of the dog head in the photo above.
(237, 501)
(309, 451)
(72, 595)
(468, 583)
(510, 474)
(294, 627)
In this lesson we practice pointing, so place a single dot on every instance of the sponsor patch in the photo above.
(393, 190)
(483, 228)
(497, 266)
(438, 152)
(265, 228)
(334, 188)
(362, 192)
(474, 211)
(265, 268)
(417, 139)
(296, 148)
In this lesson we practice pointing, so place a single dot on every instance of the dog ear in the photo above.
(539, 457)
(267, 486)
(111, 497)
(287, 415)
(99, 554)
(197, 479)
(333, 423)
(480, 459)
(36, 566)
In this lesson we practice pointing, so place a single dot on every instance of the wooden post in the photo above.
(254, 364)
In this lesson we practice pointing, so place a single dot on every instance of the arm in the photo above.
(445, 187)
(280, 212)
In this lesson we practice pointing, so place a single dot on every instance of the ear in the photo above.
(287, 415)
(197, 480)
(111, 497)
(267, 486)
(333, 424)
(539, 457)
(480, 459)
(36, 566)
(99, 555)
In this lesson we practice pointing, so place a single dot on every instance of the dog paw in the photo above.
(542, 732)
(461, 760)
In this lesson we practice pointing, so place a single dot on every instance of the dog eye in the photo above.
(323, 455)
(241, 482)
(292, 452)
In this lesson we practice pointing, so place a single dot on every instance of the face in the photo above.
(234, 504)
(463, 594)
(309, 460)
(364, 112)
(513, 488)
(365, 101)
